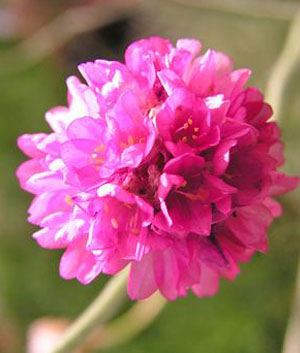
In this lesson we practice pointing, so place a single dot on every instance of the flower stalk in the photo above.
(99, 312)
(128, 325)
(283, 68)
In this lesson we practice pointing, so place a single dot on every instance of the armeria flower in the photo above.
(166, 163)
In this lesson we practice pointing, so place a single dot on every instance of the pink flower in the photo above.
(166, 163)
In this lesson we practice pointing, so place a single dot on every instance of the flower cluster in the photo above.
(166, 162)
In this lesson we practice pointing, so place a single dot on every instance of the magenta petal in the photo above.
(191, 45)
(87, 129)
(252, 234)
(189, 215)
(185, 165)
(28, 169)
(101, 234)
(165, 263)
(239, 79)
(58, 119)
(167, 182)
(76, 262)
(29, 144)
(170, 81)
(78, 153)
(89, 270)
(141, 66)
(165, 122)
(45, 204)
(203, 71)
(221, 157)
(208, 284)
(141, 282)
(282, 183)
(44, 182)
(46, 239)
(273, 206)
(132, 156)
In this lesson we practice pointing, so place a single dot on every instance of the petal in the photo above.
(170, 81)
(208, 284)
(191, 45)
(141, 281)
(221, 157)
(166, 273)
(28, 143)
(282, 183)
(28, 169)
(87, 129)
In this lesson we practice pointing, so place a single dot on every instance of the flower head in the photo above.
(167, 163)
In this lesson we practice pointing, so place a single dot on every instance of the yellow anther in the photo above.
(100, 148)
(106, 208)
(99, 161)
(202, 194)
(134, 231)
(68, 200)
(184, 139)
(130, 140)
(191, 196)
(98, 156)
(127, 205)
(132, 222)
(190, 121)
(114, 223)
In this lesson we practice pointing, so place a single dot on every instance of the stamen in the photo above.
(186, 126)
(130, 140)
(134, 231)
(133, 222)
(68, 200)
(98, 156)
(194, 137)
(184, 139)
(190, 121)
(114, 223)
(196, 129)
(99, 161)
(100, 148)
(127, 205)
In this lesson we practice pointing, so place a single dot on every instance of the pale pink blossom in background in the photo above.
(167, 162)
(44, 334)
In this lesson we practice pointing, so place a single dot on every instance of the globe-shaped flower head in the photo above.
(166, 163)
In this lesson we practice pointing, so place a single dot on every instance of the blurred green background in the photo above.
(248, 315)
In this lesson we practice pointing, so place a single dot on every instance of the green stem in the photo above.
(100, 311)
(292, 340)
(283, 68)
(129, 325)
